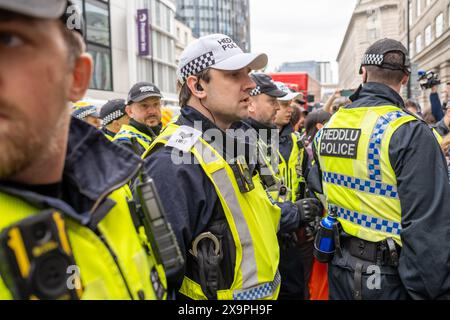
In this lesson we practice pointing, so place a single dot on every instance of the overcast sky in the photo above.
(297, 30)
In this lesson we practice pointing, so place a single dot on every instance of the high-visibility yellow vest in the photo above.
(109, 137)
(291, 170)
(358, 179)
(128, 132)
(103, 276)
(252, 218)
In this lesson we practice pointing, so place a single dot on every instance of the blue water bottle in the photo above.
(324, 246)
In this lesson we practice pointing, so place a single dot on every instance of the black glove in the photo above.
(309, 209)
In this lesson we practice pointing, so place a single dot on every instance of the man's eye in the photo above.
(10, 40)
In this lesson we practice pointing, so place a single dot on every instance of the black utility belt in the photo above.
(383, 253)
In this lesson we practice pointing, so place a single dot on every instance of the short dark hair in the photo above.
(296, 115)
(315, 117)
(185, 92)
(387, 76)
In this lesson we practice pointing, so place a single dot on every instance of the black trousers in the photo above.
(292, 274)
(374, 283)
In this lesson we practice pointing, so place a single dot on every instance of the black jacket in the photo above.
(89, 176)
(424, 193)
(152, 132)
(190, 200)
(442, 128)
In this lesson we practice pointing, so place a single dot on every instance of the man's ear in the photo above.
(251, 106)
(129, 111)
(364, 74)
(81, 77)
(192, 83)
(405, 80)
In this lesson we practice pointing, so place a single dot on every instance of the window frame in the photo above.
(93, 44)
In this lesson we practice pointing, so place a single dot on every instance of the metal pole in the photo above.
(408, 39)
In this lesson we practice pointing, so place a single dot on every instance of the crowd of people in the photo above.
(230, 199)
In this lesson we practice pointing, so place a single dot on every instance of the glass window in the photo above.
(97, 35)
(428, 35)
(419, 7)
(101, 78)
(419, 43)
(439, 25)
(97, 22)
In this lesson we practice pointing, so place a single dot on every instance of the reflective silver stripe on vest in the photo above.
(367, 221)
(259, 292)
(223, 182)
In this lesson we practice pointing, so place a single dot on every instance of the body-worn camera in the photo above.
(35, 259)
(428, 79)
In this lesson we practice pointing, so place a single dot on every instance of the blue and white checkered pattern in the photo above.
(198, 65)
(374, 152)
(133, 134)
(362, 185)
(260, 292)
(367, 221)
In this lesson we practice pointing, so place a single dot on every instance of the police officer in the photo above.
(213, 196)
(385, 178)
(144, 109)
(61, 222)
(262, 111)
(88, 113)
(113, 117)
(293, 162)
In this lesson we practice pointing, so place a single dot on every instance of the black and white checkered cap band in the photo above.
(112, 116)
(373, 60)
(256, 91)
(85, 114)
(197, 65)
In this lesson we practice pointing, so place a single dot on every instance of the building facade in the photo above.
(230, 17)
(319, 70)
(183, 39)
(429, 45)
(371, 20)
(113, 39)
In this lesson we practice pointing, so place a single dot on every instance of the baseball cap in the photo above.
(112, 110)
(289, 95)
(84, 112)
(143, 90)
(265, 85)
(43, 9)
(216, 51)
(66, 10)
(375, 54)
